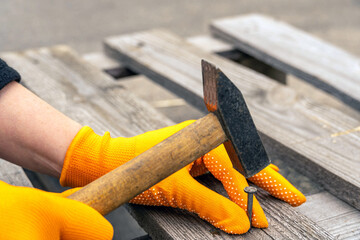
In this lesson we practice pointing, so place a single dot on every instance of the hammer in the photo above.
(228, 122)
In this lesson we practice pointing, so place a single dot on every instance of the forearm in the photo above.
(33, 134)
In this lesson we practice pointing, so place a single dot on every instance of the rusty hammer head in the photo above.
(225, 100)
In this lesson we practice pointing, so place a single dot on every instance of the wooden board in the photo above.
(70, 84)
(318, 140)
(294, 51)
(337, 217)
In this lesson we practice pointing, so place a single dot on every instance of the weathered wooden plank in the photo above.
(335, 216)
(134, 110)
(318, 140)
(349, 230)
(13, 174)
(59, 68)
(296, 52)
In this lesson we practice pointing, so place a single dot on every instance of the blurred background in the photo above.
(83, 24)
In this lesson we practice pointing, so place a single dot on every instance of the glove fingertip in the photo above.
(258, 216)
(300, 199)
(274, 183)
(234, 225)
(260, 223)
(99, 228)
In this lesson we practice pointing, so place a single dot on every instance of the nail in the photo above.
(250, 191)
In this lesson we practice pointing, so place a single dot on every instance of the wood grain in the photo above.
(50, 73)
(335, 216)
(294, 51)
(305, 134)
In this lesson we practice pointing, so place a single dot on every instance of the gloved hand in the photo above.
(90, 156)
(28, 213)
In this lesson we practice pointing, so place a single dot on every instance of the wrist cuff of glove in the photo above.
(71, 161)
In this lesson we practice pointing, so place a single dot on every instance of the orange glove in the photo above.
(28, 213)
(90, 156)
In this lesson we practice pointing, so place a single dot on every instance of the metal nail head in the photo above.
(250, 191)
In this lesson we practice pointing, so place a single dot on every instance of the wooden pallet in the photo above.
(84, 93)
(294, 128)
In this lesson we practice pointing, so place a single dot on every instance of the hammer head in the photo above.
(225, 100)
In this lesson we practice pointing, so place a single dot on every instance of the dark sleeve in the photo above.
(7, 74)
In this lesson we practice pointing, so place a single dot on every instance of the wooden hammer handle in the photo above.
(132, 178)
